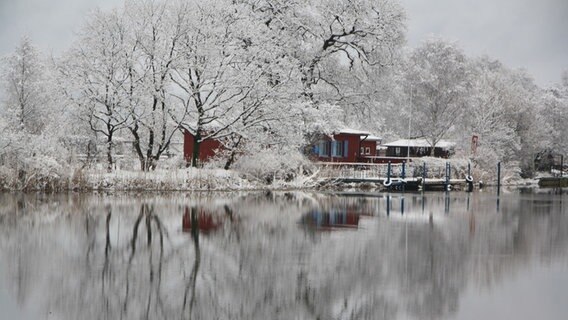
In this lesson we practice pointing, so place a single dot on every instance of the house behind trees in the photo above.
(208, 148)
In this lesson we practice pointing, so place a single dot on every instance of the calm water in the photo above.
(284, 256)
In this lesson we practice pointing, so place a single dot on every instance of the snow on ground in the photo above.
(179, 179)
(212, 179)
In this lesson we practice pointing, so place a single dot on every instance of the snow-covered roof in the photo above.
(373, 138)
(418, 143)
(353, 131)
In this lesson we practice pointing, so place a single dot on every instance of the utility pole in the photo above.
(409, 126)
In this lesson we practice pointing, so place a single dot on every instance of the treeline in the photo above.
(265, 78)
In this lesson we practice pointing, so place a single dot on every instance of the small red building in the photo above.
(208, 148)
(369, 146)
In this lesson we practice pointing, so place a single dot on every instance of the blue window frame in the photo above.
(339, 149)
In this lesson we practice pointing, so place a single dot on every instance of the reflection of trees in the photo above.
(127, 257)
(193, 276)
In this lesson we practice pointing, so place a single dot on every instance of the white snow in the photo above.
(354, 132)
(418, 143)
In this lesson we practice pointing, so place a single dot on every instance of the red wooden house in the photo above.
(208, 148)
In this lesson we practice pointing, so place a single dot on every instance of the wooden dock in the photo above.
(409, 184)
(553, 182)
(376, 175)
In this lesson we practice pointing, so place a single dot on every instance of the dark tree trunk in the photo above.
(196, 145)
(109, 152)
(137, 147)
(233, 154)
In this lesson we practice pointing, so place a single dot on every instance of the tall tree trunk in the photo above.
(109, 152)
(196, 145)
(137, 147)
(233, 153)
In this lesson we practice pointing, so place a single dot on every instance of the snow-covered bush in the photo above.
(34, 162)
(174, 163)
(42, 173)
(170, 179)
(272, 165)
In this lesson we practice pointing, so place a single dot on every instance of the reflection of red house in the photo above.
(329, 220)
(205, 221)
(207, 147)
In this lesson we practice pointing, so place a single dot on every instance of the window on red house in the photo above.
(323, 150)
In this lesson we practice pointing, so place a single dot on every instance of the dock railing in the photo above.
(340, 170)
(370, 171)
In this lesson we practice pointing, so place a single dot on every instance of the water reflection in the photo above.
(316, 219)
(262, 255)
(199, 220)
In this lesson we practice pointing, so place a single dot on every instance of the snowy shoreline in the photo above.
(189, 179)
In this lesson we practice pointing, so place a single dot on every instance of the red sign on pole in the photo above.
(474, 141)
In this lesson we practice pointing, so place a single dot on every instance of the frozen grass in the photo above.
(172, 179)
(53, 178)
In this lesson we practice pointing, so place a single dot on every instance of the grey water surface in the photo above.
(284, 256)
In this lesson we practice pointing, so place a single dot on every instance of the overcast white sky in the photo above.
(532, 34)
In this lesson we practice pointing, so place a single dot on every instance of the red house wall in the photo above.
(372, 145)
(352, 148)
(207, 147)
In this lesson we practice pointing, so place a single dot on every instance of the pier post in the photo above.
(468, 178)
(424, 176)
(498, 183)
(448, 176)
(561, 165)
(403, 174)
(498, 177)
(388, 176)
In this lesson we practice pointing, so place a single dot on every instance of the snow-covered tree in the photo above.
(157, 28)
(95, 79)
(30, 150)
(25, 82)
(531, 123)
(437, 74)
(326, 36)
(555, 103)
(224, 73)
(281, 142)
(491, 104)
(118, 74)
